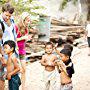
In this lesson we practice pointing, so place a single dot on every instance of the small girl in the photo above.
(22, 37)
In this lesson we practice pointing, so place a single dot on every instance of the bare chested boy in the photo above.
(66, 69)
(12, 65)
(48, 60)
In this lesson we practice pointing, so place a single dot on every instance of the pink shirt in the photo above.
(21, 44)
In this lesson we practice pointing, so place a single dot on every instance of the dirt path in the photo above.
(81, 78)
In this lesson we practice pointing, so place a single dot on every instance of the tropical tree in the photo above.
(64, 4)
(88, 4)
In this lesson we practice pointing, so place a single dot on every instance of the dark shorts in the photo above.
(67, 87)
(14, 82)
(88, 39)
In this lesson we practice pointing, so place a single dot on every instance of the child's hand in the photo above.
(29, 36)
(55, 45)
(9, 76)
(60, 63)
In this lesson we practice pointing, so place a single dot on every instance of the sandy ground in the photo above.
(81, 78)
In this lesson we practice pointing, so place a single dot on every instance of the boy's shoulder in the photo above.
(13, 57)
(70, 67)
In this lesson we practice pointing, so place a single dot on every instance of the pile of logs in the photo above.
(65, 32)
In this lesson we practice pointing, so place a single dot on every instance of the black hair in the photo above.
(68, 46)
(7, 7)
(66, 52)
(49, 43)
(70, 39)
(11, 44)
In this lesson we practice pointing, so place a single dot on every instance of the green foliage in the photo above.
(20, 6)
(64, 3)
(74, 2)
(3, 1)
(30, 1)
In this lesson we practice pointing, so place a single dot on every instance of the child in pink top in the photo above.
(22, 37)
(21, 43)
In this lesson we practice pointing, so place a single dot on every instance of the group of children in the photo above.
(64, 67)
(49, 60)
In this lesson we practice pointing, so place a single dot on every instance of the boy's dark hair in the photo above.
(11, 44)
(66, 52)
(49, 43)
(8, 7)
(68, 46)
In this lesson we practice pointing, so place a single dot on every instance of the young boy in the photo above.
(65, 69)
(12, 65)
(48, 60)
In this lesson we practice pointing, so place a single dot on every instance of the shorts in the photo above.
(88, 39)
(22, 57)
(66, 86)
(2, 73)
(14, 82)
